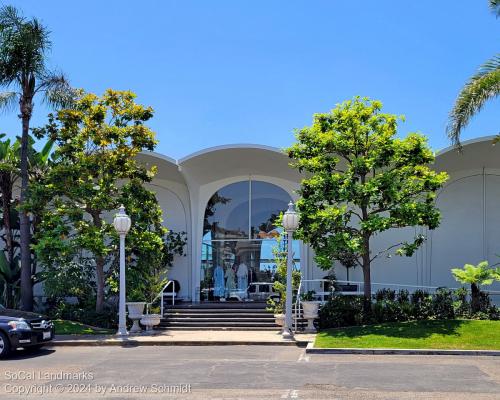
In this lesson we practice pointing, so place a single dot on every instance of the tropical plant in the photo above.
(480, 88)
(9, 223)
(475, 275)
(362, 180)
(24, 44)
(9, 257)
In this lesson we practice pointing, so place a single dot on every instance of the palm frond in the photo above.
(57, 90)
(23, 47)
(495, 7)
(10, 17)
(8, 100)
(483, 86)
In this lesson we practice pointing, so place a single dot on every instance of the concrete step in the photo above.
(217, 310)
(254, 320)
(220, 305)
(248, 325)
(217, 315)
(217, 328)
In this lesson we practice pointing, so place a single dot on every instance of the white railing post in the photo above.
(161, 304)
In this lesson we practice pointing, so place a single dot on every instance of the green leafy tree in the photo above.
(24, 44)
(475, 275)
(362, 180)
(479, 89)
(95, 171)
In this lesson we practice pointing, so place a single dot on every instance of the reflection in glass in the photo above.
(226, 214)
(238, 240)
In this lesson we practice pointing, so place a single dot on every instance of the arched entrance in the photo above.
(239, 236)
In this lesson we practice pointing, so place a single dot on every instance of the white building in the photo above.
(245, 186)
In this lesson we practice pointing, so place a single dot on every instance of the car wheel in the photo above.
(4, 345)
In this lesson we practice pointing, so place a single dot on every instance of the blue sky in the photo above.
(250, 71)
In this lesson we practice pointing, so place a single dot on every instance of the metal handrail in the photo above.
(162, 306)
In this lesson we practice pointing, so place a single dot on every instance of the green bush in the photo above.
(442, 304)
(385, 294)
(391, 306)
(85, 314)
(403, 296)
(341, 311)
(461, 307)
(421, 302)
(388, 311)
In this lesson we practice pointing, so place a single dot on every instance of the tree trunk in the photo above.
(25, 234)
(367, 283)
(475, 294)
(7, 223)
(99, 265)
(99, 305)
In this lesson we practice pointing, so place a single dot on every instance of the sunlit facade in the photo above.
(227, 199)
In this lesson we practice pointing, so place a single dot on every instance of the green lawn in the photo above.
(452, 334)
(76, 328)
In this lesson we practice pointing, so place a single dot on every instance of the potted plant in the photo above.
(277, 307)
(309, 305)
(155, 285)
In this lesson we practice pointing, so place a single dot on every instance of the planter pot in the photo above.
(279, 319)
(135, 310)
(310, 309)
(150, 320)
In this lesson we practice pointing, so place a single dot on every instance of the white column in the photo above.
(287, 329)
(122, 321)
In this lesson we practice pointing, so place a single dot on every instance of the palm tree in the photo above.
(475, 275)
(481, 87)
(24, 74)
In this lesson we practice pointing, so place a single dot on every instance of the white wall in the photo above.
(173, 199)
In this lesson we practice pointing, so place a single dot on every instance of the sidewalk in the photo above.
(185, 338)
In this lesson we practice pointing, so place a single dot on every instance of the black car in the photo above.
(23, 329)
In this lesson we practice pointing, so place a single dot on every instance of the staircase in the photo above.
(219, 316)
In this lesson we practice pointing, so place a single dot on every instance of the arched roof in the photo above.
(475, 153)
(167, 166)
(226, 161)
(228, 147)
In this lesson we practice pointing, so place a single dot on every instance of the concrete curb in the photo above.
(310, 349)
(136, 343)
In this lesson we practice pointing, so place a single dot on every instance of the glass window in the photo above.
(226, 215)
(268, 201)
(238, 240)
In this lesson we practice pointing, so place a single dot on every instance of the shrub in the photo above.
(341, 311)
(442, 304)
(389, 311)
(385, 294)
(85, 314)
(421, 302)
(403, 296)
(461, 306)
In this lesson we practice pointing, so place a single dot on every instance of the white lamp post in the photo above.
(290, 224)
(122, 224)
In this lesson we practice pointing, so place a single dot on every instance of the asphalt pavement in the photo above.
(242, 372)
